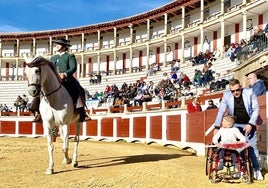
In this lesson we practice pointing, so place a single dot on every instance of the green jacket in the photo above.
(66, 63)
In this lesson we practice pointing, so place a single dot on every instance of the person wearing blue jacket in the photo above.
(243, 104)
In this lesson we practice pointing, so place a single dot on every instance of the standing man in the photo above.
(256, 84)
(243, 104)
(67, 66)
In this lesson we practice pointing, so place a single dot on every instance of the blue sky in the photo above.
(39, 15)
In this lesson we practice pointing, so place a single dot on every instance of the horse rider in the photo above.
(66, 65)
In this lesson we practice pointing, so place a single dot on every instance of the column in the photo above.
(130, 58)
(182, 17)
(130, 47)
(147, 43)
(244, 13)
(202, 38)
(165, 42)
(17, 48)
(82, 56)
(115, 54)
(50, 47)
(115, 61)
(222, 7)
(82, 66)
(148, 29)
(99, 58)
(182, 59)
(201, 11)
(17, 69)
(34, 47)
(222, 38)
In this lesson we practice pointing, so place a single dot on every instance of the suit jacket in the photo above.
(227, 104)
(66, 63)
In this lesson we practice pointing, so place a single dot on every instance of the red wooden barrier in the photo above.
(7, 127)
(139, 127)
(174, 127)
(122, 127)
(156, 127)
(195, 129)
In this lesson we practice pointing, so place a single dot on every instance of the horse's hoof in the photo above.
(67, 161)
(75, 165)
(49, 171)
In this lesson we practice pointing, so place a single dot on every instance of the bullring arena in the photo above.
(156, 144)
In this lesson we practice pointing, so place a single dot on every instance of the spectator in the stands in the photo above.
(151, 88)
(197, 80)
(186, 82)
(258, 40)
(188, 93)
(207, 56)
(211, 105)
(230, 50)
(98, 78)
(194, 105)
(132, 92)
(237, 52)
(245, 50)
(215, 55)
(138, 99)
(256, 84)
(174, 77)
(161, 94)
(220, 82)
(146, 96)
(165, 76)
(175, 66)
(124, 86)
(207, 75)
(199, 59)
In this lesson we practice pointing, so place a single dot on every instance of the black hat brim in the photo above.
(61, 42)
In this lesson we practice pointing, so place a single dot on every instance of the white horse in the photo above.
(56, 106)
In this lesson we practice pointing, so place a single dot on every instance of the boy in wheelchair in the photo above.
(227, 134)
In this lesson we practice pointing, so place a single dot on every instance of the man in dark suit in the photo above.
(66, 65)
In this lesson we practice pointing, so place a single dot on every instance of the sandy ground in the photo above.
(104, 164)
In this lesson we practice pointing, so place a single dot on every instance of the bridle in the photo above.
(38, 86)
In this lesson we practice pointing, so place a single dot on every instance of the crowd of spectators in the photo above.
(22, 103)
(176, 84)
(242, 50)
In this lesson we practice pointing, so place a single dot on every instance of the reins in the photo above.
(37, 62)
(46, 95)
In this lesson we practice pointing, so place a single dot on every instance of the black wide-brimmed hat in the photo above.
(62, 41)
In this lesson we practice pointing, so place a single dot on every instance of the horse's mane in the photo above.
(40, 61)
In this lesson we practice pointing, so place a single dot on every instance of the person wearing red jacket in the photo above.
(194, 106)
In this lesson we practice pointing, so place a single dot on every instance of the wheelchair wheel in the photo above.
(246, 179)
(209, 161)
(213, 177)
(248, 176)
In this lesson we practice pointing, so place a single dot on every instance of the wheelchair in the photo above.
(244, 171)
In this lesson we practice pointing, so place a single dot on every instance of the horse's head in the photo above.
(33, 73)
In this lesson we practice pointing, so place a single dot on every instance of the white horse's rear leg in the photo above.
(76, 142)
(65, 144)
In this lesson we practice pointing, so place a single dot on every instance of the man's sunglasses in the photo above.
(235, 90)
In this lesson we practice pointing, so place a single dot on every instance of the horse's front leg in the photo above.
(76, 142)
(50, 147)
(65, 143)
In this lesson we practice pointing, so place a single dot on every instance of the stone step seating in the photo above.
(11, 89)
